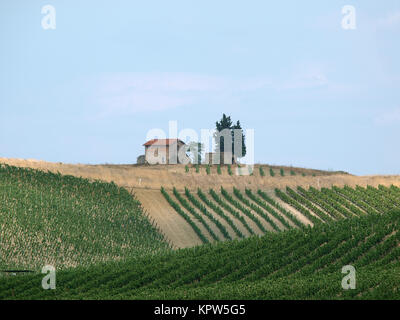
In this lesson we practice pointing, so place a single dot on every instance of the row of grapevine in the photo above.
(66, 221)
(325, 205)
(292, 202)
(331, 194)
(187, 199)
(239, 206)
(372, 200)
(220, 212)
(393, 191)
(179, 210)
(381, 202)
(315, 197)
(267, 208)
(281, 209)
(248, 206)
(195, 214)
(231, 210)
(355, 197)
(203, 209)
(224, 205)
(339, 203)
(261, 170)
(255, 208)
(297, 264)
(387, 195)
(309, 204)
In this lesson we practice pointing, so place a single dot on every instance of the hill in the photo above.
(145, 183)
(48, 218)
(296, 264)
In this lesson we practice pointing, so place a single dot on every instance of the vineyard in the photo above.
(296, 264)
(251, 243)
(240, 214)
(47, 218)
(261, 171)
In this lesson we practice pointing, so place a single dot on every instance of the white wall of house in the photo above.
(156, 154)
(165, 154)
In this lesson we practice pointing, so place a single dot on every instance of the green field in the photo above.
(104, 247)
(297, 264)
(64, 221)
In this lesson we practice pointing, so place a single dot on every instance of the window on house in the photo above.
(156, 152)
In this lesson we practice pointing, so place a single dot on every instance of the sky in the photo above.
(317, 95)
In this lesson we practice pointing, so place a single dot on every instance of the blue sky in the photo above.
(317, 95)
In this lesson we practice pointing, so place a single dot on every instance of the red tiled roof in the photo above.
(161, 142)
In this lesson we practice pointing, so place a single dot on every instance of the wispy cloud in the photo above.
(305, 76)
(389, 117)
(308, 80)
(391, 20)
(130, 93)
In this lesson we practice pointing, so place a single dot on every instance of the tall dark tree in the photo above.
(237, 126)
(226, 123)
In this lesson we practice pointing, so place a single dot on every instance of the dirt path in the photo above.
(172, 225)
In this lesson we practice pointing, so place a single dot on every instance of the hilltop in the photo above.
(153, 177)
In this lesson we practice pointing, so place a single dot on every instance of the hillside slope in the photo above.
(65, 221)
(210, 213)
(292, 265)
(145, 182)
(173, 226)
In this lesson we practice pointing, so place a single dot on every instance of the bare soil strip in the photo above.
(211, 224)
(237, 222)
(275, 220)
(296, 213)
(172, 225)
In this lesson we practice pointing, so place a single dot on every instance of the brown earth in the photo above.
(153, 177)
(145, 182)
(177, 231)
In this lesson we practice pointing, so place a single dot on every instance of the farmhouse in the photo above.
(165, 151)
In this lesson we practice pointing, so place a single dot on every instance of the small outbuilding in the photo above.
(141, 159)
